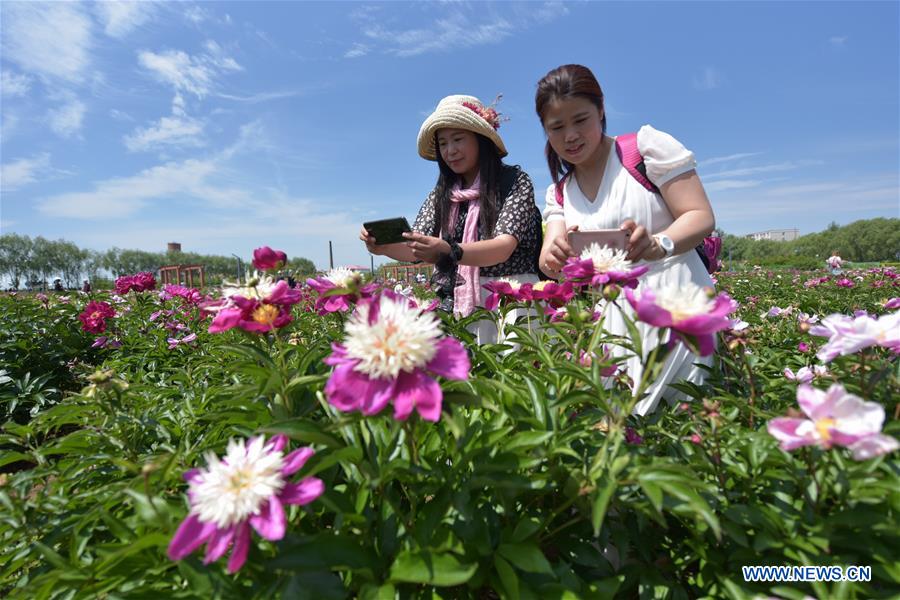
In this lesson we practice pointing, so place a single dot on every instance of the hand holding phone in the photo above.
(388, 231)
(616, 239)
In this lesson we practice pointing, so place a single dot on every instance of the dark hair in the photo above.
(490, 166)
(567, 81)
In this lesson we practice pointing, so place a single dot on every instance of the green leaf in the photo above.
(526, 557)
(303, 430)
(430, 568)
(508, 577)
(527, 439)
(605, 488)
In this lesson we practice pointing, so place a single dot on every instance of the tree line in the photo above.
(870, 240)
(32, 263)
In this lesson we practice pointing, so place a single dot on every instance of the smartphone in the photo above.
(613, 238)
(388, 231)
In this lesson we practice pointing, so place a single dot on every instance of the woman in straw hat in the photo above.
(480, 222)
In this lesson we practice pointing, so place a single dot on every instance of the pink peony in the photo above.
(848, 335)
(93, 317)
(600, 265)
(339, 289)
(392, 351)
(139, 282)
(248, 488)
(688, 310)
(266, 259)
(553, 293)
(844, 282)
(835, 418)
(503, 288)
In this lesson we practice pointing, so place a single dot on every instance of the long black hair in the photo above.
(490, 166)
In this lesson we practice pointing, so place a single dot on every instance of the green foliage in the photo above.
(526, 487)
(24, 260)
(870, 240)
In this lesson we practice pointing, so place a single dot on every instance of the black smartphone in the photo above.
(388, 231)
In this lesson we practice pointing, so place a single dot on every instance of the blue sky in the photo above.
(226, 126)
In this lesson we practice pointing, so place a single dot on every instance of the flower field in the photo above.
(343, 440)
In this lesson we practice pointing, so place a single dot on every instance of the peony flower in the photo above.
(803, 375)
(892, 303)
(803, 347)
(503, 288)
(712, 247)
(688, 310)
(632, 437)
(835, 418)
(338, 289)
(248, 488)
(847, 335)
(266, 259)
(553, 293)
(189, 295)
(139, 282)
(187, 340)
(844, 282)
(392, 351)
(93, 317)
(599, 265)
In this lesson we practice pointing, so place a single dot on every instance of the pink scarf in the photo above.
(468, 295)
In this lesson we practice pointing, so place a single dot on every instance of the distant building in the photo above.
(776, 235)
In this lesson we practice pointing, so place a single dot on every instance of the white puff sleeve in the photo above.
(552, 210)
(664, 156)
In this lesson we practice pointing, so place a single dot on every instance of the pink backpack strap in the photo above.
(560, 199)
(631, 159)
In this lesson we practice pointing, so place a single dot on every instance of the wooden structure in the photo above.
(182, 275)
(405, 271)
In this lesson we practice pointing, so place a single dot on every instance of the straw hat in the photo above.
(460, 112)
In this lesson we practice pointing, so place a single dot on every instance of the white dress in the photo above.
(622, 197)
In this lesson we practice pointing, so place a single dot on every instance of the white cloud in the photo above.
(120, 18)
(197, 15)
(193, 74)
(356, 51)
(168, 131)
(52, 39)
(776, 167)
(20, 173)
(125, 196)
(12, 84)
(731, 184)
(457, 25)
(259, 97)
(66, 120)
(838, 40)
(710, 79)
(120, 115)
(729, 158)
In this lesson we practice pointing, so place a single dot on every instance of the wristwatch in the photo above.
(666, 243)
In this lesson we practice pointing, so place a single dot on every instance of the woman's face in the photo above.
(574, 129)
(459, 149)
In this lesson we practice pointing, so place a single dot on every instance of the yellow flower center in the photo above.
(539, 286)
(823, 426)
(265, 314)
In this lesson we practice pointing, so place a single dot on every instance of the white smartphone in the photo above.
(612, 238)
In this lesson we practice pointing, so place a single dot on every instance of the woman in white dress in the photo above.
(598, 192)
